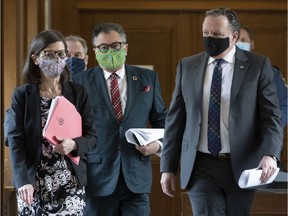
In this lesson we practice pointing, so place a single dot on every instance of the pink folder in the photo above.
(63, 121)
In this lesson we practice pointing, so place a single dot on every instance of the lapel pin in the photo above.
(134, 78)
(241, 67)
(146, 88)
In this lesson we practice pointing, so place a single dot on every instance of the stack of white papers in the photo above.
(251, 178)
(144, 136)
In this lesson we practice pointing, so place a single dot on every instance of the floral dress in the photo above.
(57, 190)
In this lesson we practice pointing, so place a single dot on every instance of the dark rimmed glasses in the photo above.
(104, 48)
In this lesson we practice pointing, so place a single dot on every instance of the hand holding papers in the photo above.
(251, 178)
(63, 121)
(144, 136)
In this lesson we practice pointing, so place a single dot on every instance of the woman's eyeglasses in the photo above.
(52, 54)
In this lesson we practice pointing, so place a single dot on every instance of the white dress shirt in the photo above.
(227, 75)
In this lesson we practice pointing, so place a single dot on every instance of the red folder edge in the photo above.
(63, 121)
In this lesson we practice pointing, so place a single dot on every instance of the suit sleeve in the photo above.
(16, 139)
(269, 113)
(282, 95)
(174, 128)
(87, 142)
(158, 112)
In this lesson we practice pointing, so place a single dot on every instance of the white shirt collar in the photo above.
(228, 58)
(120, 73)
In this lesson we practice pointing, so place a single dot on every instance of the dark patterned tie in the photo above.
(214, 140)
(115, 96)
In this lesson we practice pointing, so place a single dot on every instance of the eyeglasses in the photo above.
(104, 48)
(51, 54)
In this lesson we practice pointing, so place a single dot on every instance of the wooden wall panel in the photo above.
(262, 205)
(17, 31)
(176, 6)
(1, 131)
(152, 40)
(184, 21)
(159, 33)
(65, 16)
(10, 76)
(270, 35)
(161, 204)
(160, 39)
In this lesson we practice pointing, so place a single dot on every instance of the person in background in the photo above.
(216, 136)
(120, 174)
(77, 60)
(46, 181)
(246, 42)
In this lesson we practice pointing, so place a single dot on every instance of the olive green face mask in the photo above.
(112, 59)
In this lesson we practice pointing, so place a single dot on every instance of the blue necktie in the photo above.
(214, 140)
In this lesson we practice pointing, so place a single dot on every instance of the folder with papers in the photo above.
(63, 121)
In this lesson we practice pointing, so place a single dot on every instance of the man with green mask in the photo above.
(120, 174)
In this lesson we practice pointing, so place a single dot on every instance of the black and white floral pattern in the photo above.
(57, 190)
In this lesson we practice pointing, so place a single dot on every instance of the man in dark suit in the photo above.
(246, 42)
(120, 174)
(248, 131)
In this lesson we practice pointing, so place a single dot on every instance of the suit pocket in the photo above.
(93, 158)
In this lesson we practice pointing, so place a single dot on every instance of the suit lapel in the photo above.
(133, 89)
(100, 86)
(33, 102)
(240, 69)
(199, 69)
(67, 91)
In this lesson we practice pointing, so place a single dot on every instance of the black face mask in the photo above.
(215, 46)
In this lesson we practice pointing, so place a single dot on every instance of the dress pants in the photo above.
(122, 202)
(213, 190)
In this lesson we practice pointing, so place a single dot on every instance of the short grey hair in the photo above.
(231, 16)
(77, 38)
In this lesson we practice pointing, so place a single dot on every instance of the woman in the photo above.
(47, 182)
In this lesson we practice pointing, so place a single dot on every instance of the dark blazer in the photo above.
(113, 152)
(254, 122)
(282, 94)
(25, 131)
